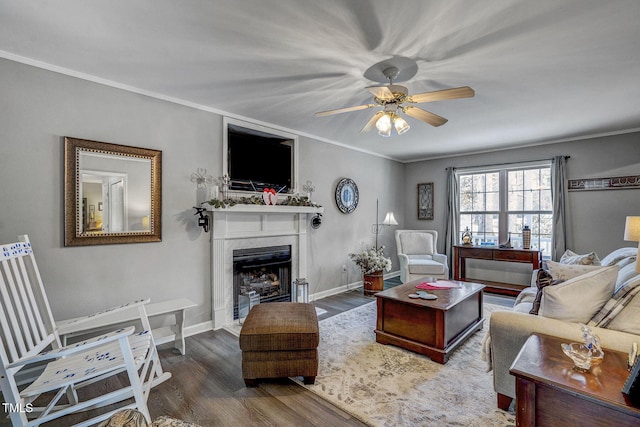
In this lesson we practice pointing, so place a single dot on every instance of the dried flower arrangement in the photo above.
(371, 260)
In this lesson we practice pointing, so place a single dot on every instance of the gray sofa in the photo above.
(508, 330)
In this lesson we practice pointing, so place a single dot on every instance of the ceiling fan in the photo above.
(393, 99)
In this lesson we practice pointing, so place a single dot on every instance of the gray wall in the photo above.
(38, 108)
(340, 234)
(596, 217)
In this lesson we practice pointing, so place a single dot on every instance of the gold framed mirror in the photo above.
(112, 193)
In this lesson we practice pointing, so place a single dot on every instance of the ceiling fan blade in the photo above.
(372, 121)
(425, 116)
(382, 92)
(439, 95)
(344, 110)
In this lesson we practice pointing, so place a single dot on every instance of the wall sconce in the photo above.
(389, 220)
(316, 221)
(203, 220)
(632, 234)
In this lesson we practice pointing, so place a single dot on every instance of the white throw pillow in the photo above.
(625, 273)
(620, 256)
(565, 272)
(570, 257)
(580, 298)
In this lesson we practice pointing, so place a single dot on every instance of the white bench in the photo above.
(174, 332)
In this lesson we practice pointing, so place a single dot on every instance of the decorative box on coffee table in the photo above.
(434, 328)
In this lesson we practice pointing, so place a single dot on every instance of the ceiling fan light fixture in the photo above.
(386, 133)
(401, 125)
(383, 124)
(394, 98)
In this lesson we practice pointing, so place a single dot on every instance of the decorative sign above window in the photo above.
(615, 183)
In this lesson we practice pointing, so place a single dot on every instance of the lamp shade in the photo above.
(632, 229)
(389, 219)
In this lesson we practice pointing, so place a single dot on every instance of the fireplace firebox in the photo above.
(263, 272)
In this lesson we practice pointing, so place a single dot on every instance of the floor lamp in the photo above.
(389, 220)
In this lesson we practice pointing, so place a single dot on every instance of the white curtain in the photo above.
(452, 218)
(561, 238)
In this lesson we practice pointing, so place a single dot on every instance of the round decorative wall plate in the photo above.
(347, 195)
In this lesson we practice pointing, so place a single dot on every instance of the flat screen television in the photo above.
(257, 160)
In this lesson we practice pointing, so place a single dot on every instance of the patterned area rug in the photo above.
(384, 385)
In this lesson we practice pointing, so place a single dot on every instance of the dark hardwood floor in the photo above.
(207, 387)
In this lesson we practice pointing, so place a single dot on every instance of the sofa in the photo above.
(601, 295)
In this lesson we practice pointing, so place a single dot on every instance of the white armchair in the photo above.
(418, 255)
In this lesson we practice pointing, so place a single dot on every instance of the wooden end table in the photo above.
(549, 392)
(434, 328)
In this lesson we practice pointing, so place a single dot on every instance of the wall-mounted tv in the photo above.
(257, 159)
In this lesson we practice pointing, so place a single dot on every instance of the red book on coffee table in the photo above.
(440, 284)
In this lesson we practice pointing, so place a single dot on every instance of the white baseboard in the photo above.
(348, 287)
(208, 325)
(198, 328)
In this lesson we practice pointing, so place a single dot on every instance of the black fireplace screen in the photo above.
(265, 272)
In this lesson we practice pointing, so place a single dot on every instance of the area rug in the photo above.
(383, 385)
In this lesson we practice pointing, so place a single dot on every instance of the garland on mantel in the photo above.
(255, 200)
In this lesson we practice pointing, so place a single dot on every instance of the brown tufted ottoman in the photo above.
(280, 339)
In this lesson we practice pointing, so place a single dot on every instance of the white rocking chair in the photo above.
(34, 364)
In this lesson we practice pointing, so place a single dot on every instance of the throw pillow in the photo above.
(622, 257)
(625, 273)
(579, 298)
(126, 418)
(569, 271)
(570, 257)
(543, 279)
(622, 311)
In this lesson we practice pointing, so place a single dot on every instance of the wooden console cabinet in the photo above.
(461, 253)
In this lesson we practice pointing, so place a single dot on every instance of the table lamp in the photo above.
(632, 234)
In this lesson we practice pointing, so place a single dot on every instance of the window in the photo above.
(496, 203)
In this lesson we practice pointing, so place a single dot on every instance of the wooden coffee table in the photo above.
(434, 328)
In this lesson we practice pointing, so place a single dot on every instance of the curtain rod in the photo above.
(506, 163)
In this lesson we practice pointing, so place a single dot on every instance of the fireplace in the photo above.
(263, 272)
(240, 227)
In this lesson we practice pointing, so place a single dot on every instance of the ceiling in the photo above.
(543, 71)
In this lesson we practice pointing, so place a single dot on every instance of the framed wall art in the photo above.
(347, 195)
(425, 200)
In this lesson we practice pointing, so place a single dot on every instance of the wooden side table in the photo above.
(462, 253)
(549, 392)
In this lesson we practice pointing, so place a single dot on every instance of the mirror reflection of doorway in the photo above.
(117, 219)
(106, 191)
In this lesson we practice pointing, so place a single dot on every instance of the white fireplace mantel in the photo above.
(268, 209)
(251, 226)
